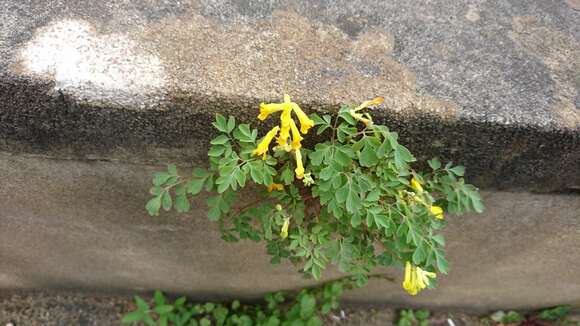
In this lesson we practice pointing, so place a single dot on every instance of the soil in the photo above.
(70, 308)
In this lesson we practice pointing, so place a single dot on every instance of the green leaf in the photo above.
(159, 298)
(231, 124)
(342, 155)
(458, 170)
(287, 176)
(220, 123)
(321, 151)
(216, 151)
(214, 214)
(220, 140)
(209, 306)
(220, 314)
(148, 320)
(368, 157)
(163, 309)
(162, 320)
(439, 239)
(314, 321)
(156, 190)
(352, 202)
(241, 178)
(153, 205)
(342, 193)
(132, 317)
(244, 134)
(419, 256)
(434, 164)
(307, 306)
(205, 322)
(402, 156)
(442, 263)
(194, 186)
(199, 173)
(166, 200)
(182, 203)
(159, 178)
(555, 314)
(141, 304)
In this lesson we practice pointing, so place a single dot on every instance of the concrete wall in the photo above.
(95, 96)
(82, 225)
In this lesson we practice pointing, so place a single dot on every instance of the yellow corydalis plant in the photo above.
(349, 191)
(287, 126)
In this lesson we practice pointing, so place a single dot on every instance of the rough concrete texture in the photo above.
(92, 94)
(490, 84)
(83, 226)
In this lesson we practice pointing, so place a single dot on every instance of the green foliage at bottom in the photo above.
(410, 317)
(278, 309)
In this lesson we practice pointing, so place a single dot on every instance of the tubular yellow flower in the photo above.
(296, 137)
(416, 279)
(305, 122)
(299, 167)
(267, 109)
(359, 117)
(437, 212)
(373, 102)
(275, 186)
(425, 276)
(284, 231)
(285, 119)
(408, 284)
(416, 185)
(262, 148)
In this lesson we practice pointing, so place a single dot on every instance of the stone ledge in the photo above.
(474, 84)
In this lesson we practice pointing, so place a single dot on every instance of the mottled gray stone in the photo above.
(492, 85)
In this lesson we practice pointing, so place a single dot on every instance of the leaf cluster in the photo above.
(359, 212)
(410, 317)
(277, 309)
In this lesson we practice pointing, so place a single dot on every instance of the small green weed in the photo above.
(278, 309)
(410, 317)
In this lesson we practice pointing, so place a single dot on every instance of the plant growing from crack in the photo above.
(353, 200)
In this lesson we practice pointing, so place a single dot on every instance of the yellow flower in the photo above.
(299, 167)
(373, 102)
(267, 109)
(416, 185)
(438, 212)
(296, 137)
(275, 186)
(305, 122)
(285, 119)
(359, 117)
(284, 231)
(416, 279)
(262, 148)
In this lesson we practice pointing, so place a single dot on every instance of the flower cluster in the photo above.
(287, 127)
(416, 279)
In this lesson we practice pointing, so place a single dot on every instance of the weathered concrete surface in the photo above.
(83, 226)
(493, 85)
